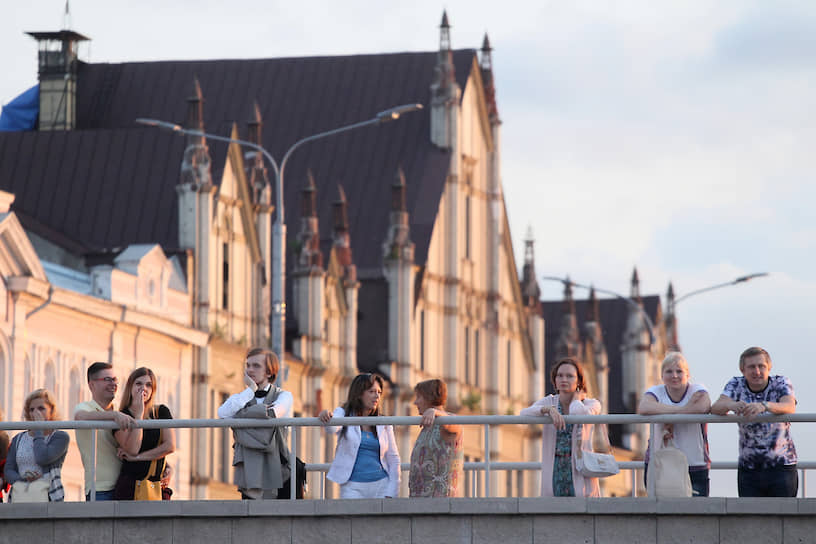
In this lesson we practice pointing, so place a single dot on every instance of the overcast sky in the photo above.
(674, 136)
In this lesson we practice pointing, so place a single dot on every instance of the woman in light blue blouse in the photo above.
(366, 461)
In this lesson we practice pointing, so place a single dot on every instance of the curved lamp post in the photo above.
(279, 228)
(741, 279)
(646, 319)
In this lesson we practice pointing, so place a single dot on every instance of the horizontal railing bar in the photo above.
(535, 465)
(240, 423)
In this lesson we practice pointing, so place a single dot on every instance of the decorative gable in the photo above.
(142, 277)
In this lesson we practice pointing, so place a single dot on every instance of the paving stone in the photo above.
(142, 531)
(321, 529)
(754, 529)
(274, 530)
(626, 529)
(381, 530)
(560, 529)
(441, 529)
(508, 529)
(688, 529)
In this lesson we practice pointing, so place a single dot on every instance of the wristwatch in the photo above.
(765, 405)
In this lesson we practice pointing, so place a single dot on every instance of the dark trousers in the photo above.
(768, 482)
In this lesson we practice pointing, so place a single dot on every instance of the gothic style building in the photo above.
(139, 247)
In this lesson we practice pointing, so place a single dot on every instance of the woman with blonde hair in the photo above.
(561, 440)
(35, 458)
(138, 447)
(676, 395)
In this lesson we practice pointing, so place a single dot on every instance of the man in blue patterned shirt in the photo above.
(767, 456)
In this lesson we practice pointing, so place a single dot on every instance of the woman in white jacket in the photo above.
(366, 461)
(559, 478)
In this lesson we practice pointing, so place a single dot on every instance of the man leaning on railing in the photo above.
(767, 456)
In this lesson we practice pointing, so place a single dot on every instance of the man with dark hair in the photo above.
(103, 384)
(767, 456)
(259, 455)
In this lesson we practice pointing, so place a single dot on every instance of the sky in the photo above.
(675, 137)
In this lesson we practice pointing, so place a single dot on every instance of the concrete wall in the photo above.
(427, 521)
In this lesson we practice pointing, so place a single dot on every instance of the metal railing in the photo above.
(487, 466)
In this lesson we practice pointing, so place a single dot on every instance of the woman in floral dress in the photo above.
(437, 459)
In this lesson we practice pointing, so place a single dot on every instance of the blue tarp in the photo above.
(21, 113)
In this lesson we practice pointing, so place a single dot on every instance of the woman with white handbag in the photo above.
(678, 396)
(35, 458)
(560, 476)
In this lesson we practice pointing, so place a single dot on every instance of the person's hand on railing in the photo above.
(124, 421)
(428, 417)
(324, 416)
(750, 409)
(557, 419)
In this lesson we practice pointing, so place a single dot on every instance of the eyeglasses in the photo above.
(108, 380)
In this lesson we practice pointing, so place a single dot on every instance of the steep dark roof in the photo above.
(614, 314)
(94, 190)
(106, 158)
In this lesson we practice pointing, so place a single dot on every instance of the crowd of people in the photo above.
(130, 461)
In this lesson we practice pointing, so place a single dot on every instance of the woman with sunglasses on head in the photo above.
(138, 448)
(560, 441)
(366, 461)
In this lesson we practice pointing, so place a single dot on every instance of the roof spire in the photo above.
(594, 311)
(635, 288)
(486, 65)
(444, 33)
(398, 192)
(308, 253)
(529, 283)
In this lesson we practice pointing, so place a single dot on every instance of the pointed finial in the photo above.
(398, 191)
(529, 236)
(670, 292)
(635, 279)
(486, 44)
(341, 194)
(308, 206)
(445, 23)
(567, 289)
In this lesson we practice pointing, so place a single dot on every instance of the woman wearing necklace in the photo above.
(559, 441)
(678, 396)
(366, 461)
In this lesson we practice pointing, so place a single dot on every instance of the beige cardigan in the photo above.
(584, 487)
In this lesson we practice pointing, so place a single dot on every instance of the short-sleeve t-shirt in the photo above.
(690, 438)
(150, 439)
(107, 464)
(763, 445)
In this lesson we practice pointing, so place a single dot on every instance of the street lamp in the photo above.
(741, 279)
(646, 319)
(279, 228)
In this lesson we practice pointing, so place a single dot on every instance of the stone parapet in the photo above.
(426, 521)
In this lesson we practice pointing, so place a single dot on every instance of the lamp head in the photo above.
(394, 113)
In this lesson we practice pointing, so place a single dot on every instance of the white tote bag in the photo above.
(667, 474)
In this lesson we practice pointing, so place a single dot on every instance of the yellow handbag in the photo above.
(147, 490)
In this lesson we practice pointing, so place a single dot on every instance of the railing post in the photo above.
(93, 464)
(804, 483)
(487, 458)
(293, 465)
(634, 482)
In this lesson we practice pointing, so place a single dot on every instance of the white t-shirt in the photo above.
(690, 438)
